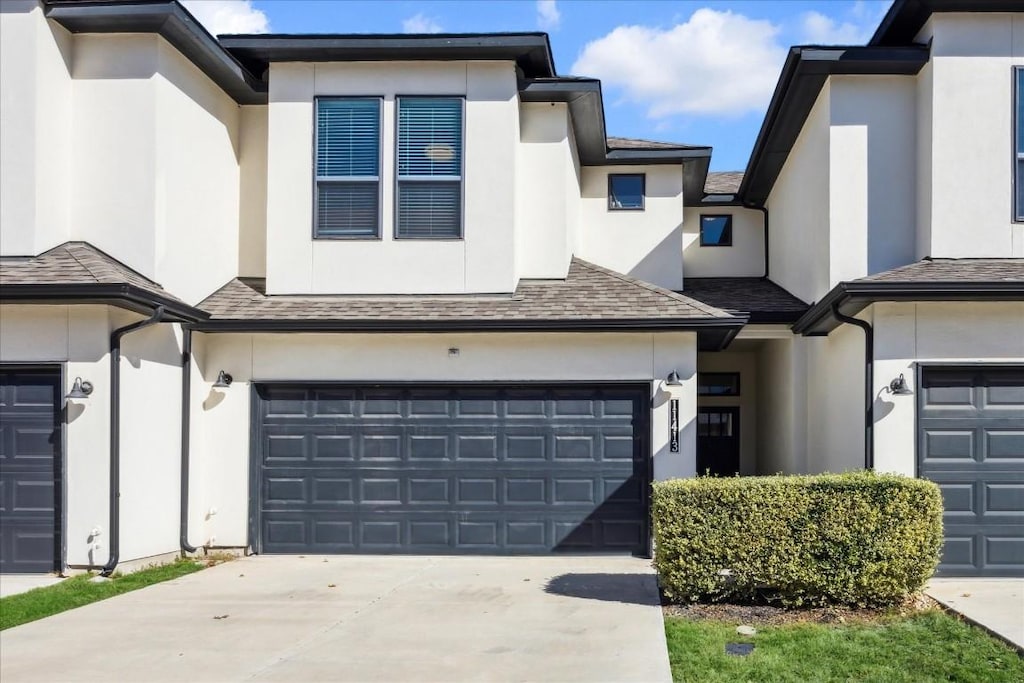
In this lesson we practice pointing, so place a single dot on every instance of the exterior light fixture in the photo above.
(898, 387)
(81, 389)
(224, 380)
(673, 380)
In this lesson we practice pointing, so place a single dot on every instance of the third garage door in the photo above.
(470, 469)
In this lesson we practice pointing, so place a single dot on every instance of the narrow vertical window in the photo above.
(1019, 144)
(347, 168)
(429, 190)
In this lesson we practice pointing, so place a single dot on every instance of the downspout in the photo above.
(869, 383)
(186, 420)
(764, 211)
(115, 434)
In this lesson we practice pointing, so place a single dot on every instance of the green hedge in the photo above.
(859, 538)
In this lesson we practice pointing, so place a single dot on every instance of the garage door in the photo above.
(971, 442)
(30, 448)
(474, 469)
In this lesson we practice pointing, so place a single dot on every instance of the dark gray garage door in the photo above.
(475, 469)
(971, 442)
(30, 448)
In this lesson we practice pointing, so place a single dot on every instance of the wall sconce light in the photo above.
(81, 389)
(673, 380)
(224, 380)
(898, 387)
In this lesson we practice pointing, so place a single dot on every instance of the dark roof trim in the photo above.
(853, 297)
(712, 335)
(125, 296)
(586, 110)
(906, 18)
(169, 20)
(803, 76)
(531, 51)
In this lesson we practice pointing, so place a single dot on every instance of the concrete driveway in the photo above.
(994, 604)
(276, 618)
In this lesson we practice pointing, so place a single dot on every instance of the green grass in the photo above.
(77, 591)
(930, 646)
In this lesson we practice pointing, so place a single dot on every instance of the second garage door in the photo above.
(470, 469)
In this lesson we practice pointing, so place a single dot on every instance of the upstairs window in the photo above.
(715, 231)
(429, 188)
(347, 168)
(626, 191)
(1018, 211)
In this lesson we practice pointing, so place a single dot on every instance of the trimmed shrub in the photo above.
(857, 539)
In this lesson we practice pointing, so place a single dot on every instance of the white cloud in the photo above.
(818, 29)
(228, 16)
(548, 16)
(716, 63)
(421, 23)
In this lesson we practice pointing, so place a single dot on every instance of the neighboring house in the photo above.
(413, 299)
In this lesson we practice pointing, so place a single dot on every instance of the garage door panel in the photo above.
(475, 469)
(976, 454)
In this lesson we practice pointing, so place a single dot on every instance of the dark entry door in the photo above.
(718, 441)
(971, 443)
(30, 453)
(468, 469)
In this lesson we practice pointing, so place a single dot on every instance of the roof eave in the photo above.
(906, 18)
(126, 296)
(169, 20)
(853, 297)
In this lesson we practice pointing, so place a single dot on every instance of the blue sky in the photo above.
(682, 71)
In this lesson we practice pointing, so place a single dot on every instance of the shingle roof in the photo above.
(590, 293)
(74, 263)
(762, 299)
(954, 270)
(723, 182)
(636, 143)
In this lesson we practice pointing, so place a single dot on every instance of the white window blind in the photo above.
(429, 167)
(347, 167)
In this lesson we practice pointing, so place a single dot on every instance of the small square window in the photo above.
(718, 384)
(626, 192)
(716, 231)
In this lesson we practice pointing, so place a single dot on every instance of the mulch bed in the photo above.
(774, 616)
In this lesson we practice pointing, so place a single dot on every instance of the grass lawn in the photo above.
(928, 646)
(78, 591)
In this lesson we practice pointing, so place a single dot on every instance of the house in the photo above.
(404, 294)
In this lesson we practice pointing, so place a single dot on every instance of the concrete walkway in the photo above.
(362, 619)
(12, 584)
(994, 604)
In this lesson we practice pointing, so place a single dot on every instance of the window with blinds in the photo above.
(429, 187)
(347, 167)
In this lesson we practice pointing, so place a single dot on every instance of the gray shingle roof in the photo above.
(636, 143)
(589, 293)
(764, 300)
(954, 270)
(723, 182)
(74, 263)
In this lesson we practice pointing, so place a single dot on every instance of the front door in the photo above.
(718, 441)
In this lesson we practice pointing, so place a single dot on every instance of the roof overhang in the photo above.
(850, 298)
(586, 110)
(169, 20)
(803, 76)
(530, 51)
(126, 296)
(906, 18)
(712, 335)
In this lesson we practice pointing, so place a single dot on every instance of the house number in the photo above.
(673, 425)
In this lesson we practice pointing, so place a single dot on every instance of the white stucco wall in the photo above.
(781, 410)
(799, 208)
(745, 363)
(252, 216)
(745, 258)
(221, 446)
(35, 138)
(645, 244)
(483, 261)
(911, 333)
(971, 128)
(835, 400)
(77, 337)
